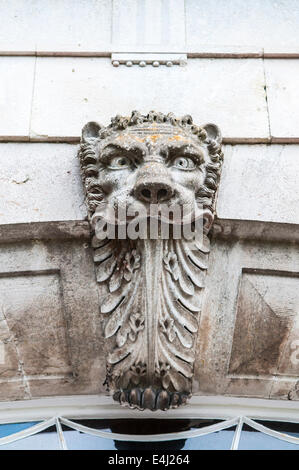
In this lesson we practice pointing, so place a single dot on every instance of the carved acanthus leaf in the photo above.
(179, 274)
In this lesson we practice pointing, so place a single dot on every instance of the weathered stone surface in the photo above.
(16, 88)
(72, 91)
(283, 95)
(159, 24)
(237, 23)
(78, 26)
(247, 338)
(39, 183)
(49, 321)
(263, 178)
(25, 308)
(55, 230)
(272, 275)
(233, 229)
(86, 26)
(263, 324)
(259, 182)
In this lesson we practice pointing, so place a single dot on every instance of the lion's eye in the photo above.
(184, 163)
(119, 162)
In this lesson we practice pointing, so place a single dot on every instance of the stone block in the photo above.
(259, 183)
(78, 26)
(40, 182)
(16, 88)
(237, 23)
(282, 77)
(159, 24)
(72, 91)
(249, 321)
(49, 322)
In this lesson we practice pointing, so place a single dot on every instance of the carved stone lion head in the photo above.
(154, 286)
(153, 159)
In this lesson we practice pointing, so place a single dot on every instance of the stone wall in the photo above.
(56, 74)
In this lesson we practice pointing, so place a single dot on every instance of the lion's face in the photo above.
(142, 162)
(138, 169)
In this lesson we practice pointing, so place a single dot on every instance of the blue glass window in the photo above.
(44, 440)
(12, 428)
(78, 440)
(256, 440)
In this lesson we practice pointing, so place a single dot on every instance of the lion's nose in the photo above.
(154, 192)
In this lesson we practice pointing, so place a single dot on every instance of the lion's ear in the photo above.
(90, 130)
(213, 132)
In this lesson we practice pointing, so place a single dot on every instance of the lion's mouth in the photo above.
(176, 214)
(155, 221)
